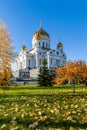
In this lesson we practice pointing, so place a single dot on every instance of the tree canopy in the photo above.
(72, 72)
(6, 54)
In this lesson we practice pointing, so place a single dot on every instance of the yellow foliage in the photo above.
(60, 75)
(71, 128)
(6, 51)
(73, 71)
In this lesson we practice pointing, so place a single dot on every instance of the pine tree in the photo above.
(52, 75)
(46, 76)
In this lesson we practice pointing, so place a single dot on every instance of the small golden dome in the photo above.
(39, 33)
(24, 48)
(59, 44)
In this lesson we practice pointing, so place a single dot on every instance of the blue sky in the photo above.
(64, 19)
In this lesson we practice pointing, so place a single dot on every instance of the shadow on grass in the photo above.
(48, 123)
(61, 124)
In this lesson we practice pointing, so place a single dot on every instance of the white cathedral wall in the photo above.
(21, 61)
(31, 61)
(13, 66)
(39, 43)
(37, 58)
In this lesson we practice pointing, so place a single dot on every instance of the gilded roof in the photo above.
(39, 33)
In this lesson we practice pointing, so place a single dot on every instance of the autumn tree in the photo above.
(61, 76)
(6, 54)
(74, 72)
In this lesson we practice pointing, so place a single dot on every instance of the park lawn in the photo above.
(29, 107)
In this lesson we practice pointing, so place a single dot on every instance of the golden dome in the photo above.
(59, 44)
(37, 36)
(39, 33)
(24, 48)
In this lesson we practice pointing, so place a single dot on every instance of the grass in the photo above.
(28, 107)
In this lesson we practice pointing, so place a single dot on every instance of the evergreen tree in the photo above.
(46, 76)
(52, 75)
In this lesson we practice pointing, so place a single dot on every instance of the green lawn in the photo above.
(28, 107)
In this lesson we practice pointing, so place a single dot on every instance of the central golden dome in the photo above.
(38, 35)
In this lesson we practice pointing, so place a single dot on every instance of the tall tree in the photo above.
(46, 76)
(6, 54)
(75, 72)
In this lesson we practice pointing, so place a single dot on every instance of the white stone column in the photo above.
(37, 61)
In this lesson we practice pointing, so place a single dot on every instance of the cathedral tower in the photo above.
(41, 39)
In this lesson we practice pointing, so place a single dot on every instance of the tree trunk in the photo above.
(73, 88)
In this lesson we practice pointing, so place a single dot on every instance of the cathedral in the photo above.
(28, 61)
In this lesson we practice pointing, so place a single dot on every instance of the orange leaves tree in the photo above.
(6, 54)
(61, 76)
(75, 72)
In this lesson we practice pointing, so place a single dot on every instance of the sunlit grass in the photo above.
(34, 89)
(28, 107)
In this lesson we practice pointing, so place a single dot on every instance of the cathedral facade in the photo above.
(32, 59)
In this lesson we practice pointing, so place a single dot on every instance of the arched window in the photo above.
(29, 62)
(39, 44)
(39, 61)
(46, 44)
(43, 44)
(58, 62)
(51, 61)
(57, 53)
(51, 52)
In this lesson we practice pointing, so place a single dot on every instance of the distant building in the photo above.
(28, 61)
